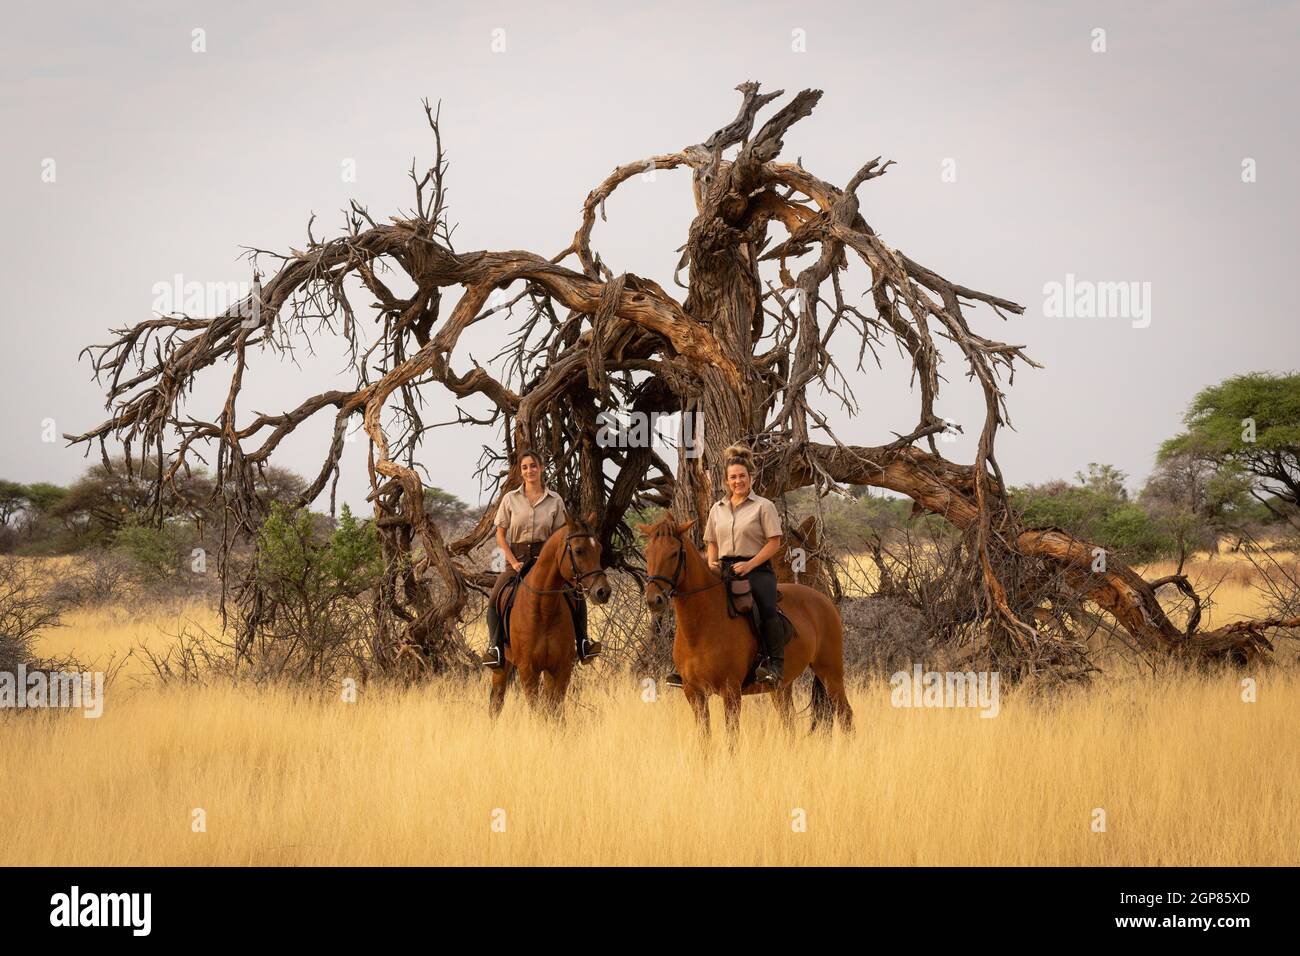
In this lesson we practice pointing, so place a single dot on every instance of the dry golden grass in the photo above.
(1186, 772)
(1234, 580)
(106, 636)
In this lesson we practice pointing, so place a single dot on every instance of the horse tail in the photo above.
(822, 708)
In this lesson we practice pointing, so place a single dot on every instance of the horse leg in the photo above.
(555, 686)
(843, 711)
(699, 702)
(529, 680)
(731, 707)
(832, 677)
(828, 666)
(502, 678)
(783, 703)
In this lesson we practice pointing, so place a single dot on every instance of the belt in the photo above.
(527, 549)
(732, 559)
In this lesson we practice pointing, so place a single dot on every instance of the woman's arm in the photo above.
(504, 545)
(714, 563)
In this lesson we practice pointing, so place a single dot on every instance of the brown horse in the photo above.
(542, 638)
(713, 651)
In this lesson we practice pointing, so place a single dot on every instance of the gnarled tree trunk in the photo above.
(764, 301)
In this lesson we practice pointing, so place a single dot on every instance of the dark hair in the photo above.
(527, 453)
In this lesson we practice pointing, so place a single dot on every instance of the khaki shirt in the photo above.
(524, 521)
(742, 532)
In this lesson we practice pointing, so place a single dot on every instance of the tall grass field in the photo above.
(1133, 769)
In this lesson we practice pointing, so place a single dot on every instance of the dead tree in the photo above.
(761, 270)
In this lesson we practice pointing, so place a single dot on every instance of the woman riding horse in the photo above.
(742, 534)
(525, 519)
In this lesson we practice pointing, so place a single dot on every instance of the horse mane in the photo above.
(663, 526)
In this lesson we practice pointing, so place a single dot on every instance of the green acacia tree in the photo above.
(316, 582)
(1249, 424)
(443, 507)
(13, 497)
(1098, 509)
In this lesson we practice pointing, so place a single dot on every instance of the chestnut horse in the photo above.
(542, 638)
(713, 651)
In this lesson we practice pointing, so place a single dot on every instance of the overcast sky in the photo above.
(1025, 154)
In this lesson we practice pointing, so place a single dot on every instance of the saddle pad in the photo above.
(741, 594)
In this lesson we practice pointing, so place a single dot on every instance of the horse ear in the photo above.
(591, 519)
(645, 529)
(683, 528)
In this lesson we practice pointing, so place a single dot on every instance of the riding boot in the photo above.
(495, 656)
(586, 649)
(773, 665)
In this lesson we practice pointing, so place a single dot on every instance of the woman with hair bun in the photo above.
(742, 534)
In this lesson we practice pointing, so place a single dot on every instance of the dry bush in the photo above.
(99, 577)
(96, 578)
(922, 601)
(883, 635)
(632, 639)
(29, 605)
(1278, 590)
(26, 609)
(335, 649)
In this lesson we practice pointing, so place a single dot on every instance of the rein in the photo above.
(570, 587)
(673, 589)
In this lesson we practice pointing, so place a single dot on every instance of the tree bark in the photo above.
(738, 354)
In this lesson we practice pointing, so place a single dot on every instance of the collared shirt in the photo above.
(741, 532)
(525, 521)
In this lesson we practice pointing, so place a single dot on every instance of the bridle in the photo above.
(673, 582)
(570, 586)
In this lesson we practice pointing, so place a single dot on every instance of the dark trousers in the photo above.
(762, 584)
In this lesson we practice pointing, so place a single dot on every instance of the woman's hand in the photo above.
(742, 568)
(515, 563)
(715, 565)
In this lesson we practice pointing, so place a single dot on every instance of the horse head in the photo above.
(580, 562)
(665, 560)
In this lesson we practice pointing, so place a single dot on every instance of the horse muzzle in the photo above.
(600, 591)
(656, 601)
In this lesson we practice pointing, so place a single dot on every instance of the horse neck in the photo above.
(696, 579)
(544, 575)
